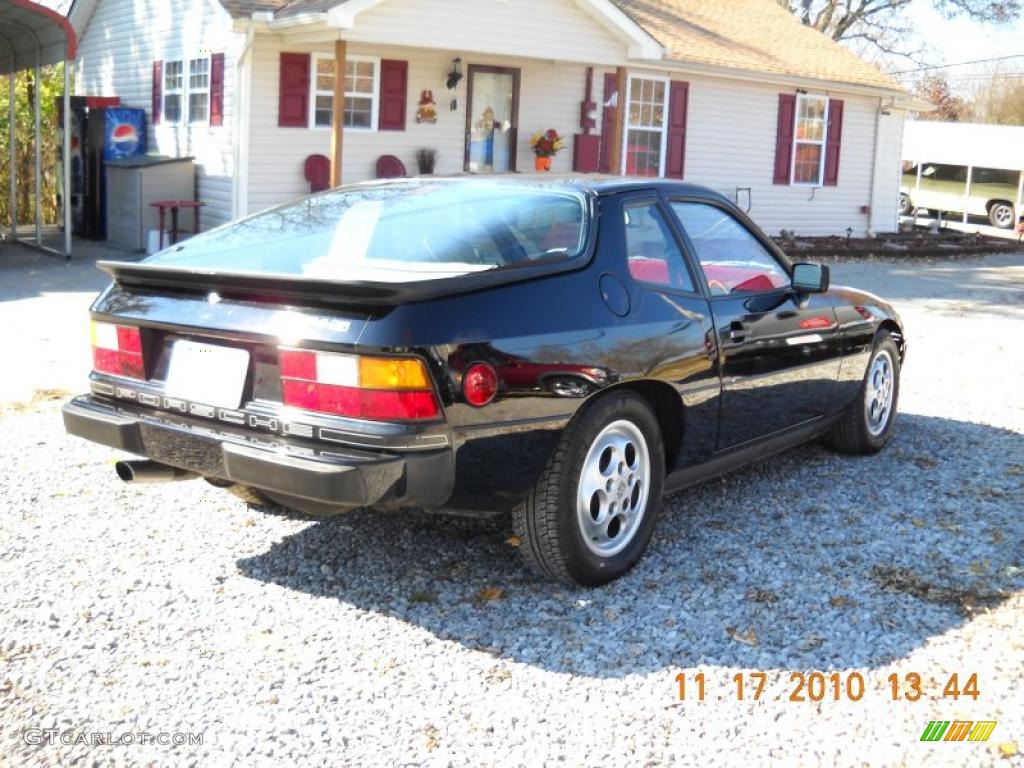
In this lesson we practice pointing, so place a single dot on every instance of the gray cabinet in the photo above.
(135, 182)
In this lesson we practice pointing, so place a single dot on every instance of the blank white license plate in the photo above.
(206, 373)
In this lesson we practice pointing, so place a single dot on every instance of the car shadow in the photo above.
(835, 562)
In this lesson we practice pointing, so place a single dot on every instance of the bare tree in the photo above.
(1000, 100)
(949, 107)
(880, 25)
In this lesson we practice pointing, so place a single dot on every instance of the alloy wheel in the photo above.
(878, 393)
(613, 488)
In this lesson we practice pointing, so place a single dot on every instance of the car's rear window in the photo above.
(395, 233)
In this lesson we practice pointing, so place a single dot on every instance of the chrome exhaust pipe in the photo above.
(150, 472)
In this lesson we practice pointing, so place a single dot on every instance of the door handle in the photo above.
(737, 332)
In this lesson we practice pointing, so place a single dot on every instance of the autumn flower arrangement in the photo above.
(545, 146)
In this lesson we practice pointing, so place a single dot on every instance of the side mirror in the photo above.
(810, 278)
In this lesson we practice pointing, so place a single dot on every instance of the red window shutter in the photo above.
(784, 137)
(158, 91)
(833, 142)
(679, 95)
(394, 89)
(217, 89)
(293, 96)
(611, 85)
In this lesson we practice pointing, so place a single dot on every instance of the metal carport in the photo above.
(32, 36)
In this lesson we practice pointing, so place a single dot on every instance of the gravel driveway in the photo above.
(404, 639)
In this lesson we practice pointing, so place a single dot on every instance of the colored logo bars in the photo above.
(958, 730)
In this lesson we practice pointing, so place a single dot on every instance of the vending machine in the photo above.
(101, 130)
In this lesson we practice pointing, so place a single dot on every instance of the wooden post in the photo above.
(615, 160)
(338, 113)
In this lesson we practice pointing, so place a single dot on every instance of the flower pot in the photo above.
(542, 163)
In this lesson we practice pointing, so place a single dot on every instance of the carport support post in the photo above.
(1020, 197)
(13, 208)
(917, 192)
(967, 193)
(338, 111)
(66, 156)
(39, 153)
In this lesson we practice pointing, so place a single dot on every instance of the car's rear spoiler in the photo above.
(304, 289)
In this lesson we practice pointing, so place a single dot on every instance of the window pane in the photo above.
(199, 73)
(651, 249)
(810, 122)
(172, 107)
(359, 112)
(807, 165)
(173, 78)
(422, 231)
(197, 108)
(325, 67)
(732, 259)
(323, 111)
(325, 82)
(646, 104)
(643, 153)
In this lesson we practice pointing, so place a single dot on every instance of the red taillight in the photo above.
(479, 384)
(348, 385)
(117, 350)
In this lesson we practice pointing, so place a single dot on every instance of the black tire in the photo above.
(854, 432)
(1002, 214)
(548, 521)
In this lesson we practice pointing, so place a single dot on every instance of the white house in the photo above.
(735, 95)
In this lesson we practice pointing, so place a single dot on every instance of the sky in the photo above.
(962, 40)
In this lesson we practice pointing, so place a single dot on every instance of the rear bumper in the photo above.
(293, 468)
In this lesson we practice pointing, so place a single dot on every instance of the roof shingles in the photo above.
(755, 35)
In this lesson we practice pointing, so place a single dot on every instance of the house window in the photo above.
(174, 87)
(809, 140)
(645, 133)
(198, 90)
(362, 87)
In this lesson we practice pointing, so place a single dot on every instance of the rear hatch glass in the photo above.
(419, 230)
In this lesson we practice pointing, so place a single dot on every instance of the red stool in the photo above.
(390, 167)
(317, 170)
(175, 206)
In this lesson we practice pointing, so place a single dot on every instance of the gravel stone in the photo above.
(364, 640)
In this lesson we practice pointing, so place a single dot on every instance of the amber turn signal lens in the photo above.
(389, 373)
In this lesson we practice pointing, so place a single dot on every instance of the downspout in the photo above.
(872, 201)
(243, 93)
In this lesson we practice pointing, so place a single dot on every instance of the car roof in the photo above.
(594, 184)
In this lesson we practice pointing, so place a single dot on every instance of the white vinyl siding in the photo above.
(550, 30)
(550, 98)
(116, 52)
(730, 144)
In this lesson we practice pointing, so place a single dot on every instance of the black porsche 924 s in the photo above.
(568, 350)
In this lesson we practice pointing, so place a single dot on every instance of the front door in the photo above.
(492, 119)
(780, 352)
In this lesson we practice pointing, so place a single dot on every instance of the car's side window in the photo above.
(732, 259)
(652, 250)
